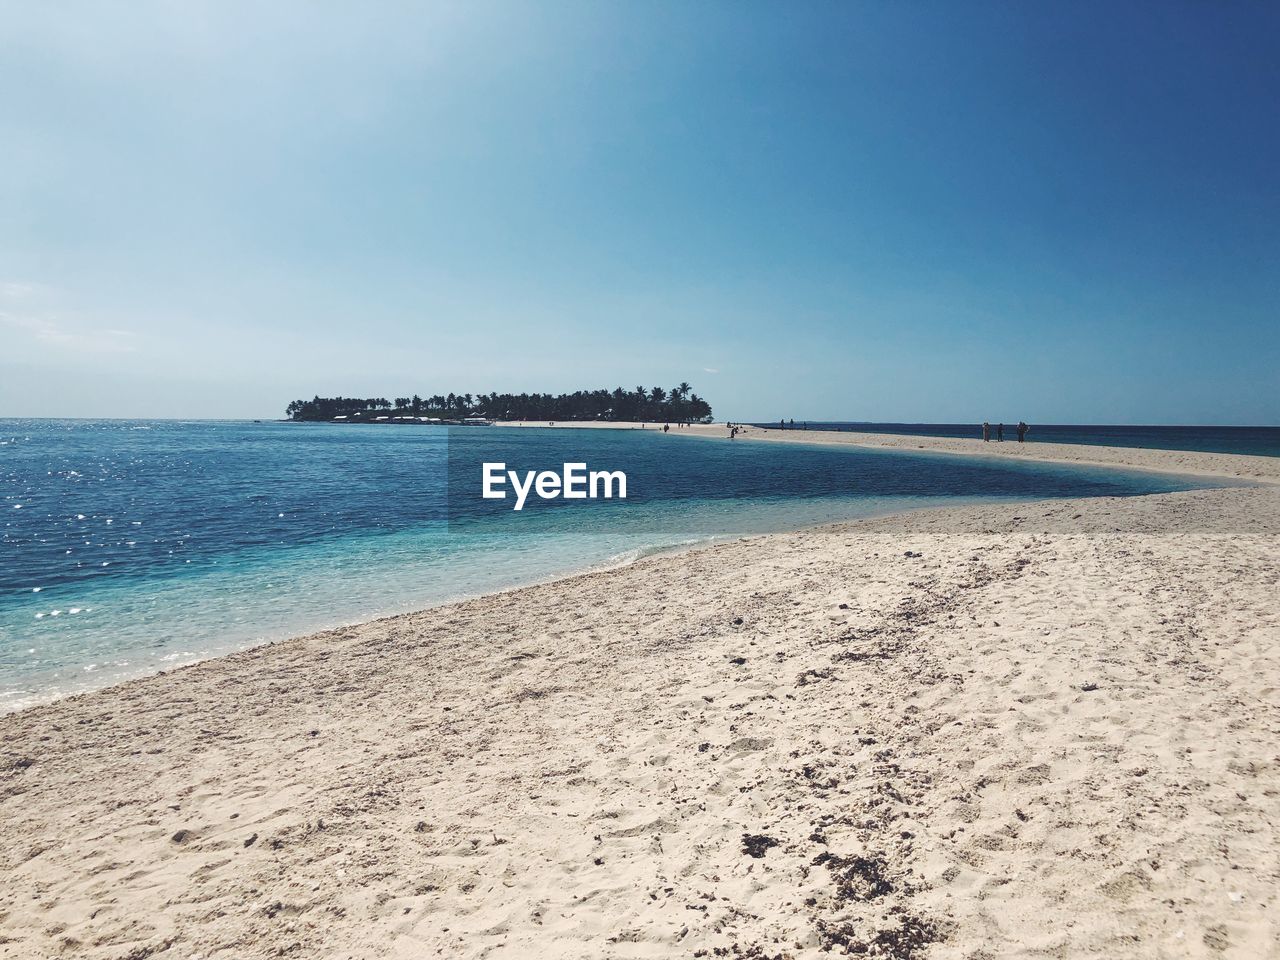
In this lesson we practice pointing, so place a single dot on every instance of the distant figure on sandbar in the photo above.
(666, 428)
(999, 433)
(1022, 431)
(986, 432)
(782, 424)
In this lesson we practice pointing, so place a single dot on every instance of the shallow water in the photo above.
(130, 546)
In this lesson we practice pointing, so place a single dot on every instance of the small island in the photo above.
(677, 405)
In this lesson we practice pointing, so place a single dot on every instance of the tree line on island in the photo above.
(677, 405)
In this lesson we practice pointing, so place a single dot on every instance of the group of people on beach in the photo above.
(666, 427)
(1022, 428)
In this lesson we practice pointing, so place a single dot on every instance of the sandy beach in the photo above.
(1190, 462)
(1044, 730)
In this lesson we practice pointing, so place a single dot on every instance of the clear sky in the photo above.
(876, 211)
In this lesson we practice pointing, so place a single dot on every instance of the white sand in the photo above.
(1032, 730)
(1190, 463)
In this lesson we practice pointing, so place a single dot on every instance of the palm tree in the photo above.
(653, 403)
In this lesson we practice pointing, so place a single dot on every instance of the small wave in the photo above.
(628, 557)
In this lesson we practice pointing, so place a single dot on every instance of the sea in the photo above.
(130, 547)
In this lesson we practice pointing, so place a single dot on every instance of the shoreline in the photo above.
(641, 555)
(1008, 727)
(1236, 466)
(901, 443)
(1259, 470)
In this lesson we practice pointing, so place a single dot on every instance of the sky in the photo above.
(877, 211)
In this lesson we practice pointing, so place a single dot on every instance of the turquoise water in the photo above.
(128, 547)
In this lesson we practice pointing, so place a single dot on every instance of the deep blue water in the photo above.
(129, 546)
(1260, 441)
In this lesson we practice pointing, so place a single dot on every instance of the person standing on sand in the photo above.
(999, 433)
(1022, 431)
(986, 432)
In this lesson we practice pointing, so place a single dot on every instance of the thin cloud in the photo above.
(710, 370)
(46, 330)
(28, 310)
(17, 289)
(38, 327)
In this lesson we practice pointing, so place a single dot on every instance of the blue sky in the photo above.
(908, 211)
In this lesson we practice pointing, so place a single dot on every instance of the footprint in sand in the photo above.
(1215, 938)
